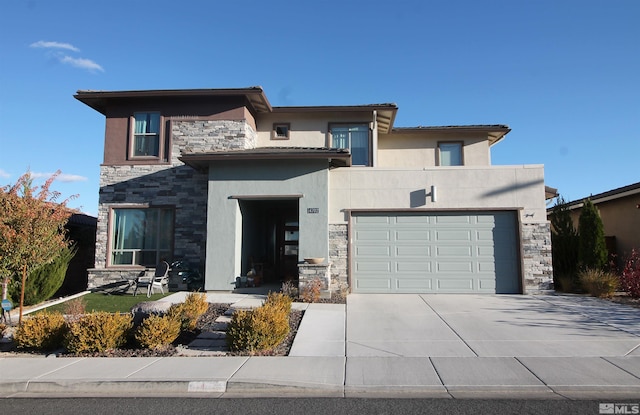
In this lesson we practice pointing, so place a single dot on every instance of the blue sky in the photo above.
(563, 74)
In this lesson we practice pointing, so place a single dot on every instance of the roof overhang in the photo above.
(619, 193)
(495, 132)
(99, 100)
(337, 157)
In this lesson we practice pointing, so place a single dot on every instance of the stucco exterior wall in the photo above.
(414, 151)
(307, 130)
(620, 218)
(456, 188)
(230, 182)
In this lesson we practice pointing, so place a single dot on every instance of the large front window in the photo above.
(141, 236)
(146, 134)
(355, 137)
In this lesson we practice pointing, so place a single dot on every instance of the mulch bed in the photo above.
(205, 323)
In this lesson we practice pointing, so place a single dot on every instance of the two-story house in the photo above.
(222, 179)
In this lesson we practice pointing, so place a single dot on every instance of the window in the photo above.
(450, 154)
(146, 134)
(355, 137)
(280, 131)
(141, 236)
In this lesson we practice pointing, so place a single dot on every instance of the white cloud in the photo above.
(54, 45)
(65, 178)
(68, 178)
(4, 174)
(53, 50)
(81, 63)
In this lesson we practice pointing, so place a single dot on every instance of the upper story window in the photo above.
(356, 138)
(450, 154)
(146, 135)
(280, 131)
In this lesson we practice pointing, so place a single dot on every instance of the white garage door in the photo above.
(445, 252)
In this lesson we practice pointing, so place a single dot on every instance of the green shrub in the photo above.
(564, 247)
(599, 283)
(43, 282)
(97, 332)
(630, 279)
(188, 312)
(260, 329)
(43, 331)
(157, 331)
(592, 248)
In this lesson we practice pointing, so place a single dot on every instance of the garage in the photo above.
(435, 252)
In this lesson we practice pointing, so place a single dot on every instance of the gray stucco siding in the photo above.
(230, 182)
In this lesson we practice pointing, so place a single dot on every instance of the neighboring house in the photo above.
(620, 213)
(225, 181)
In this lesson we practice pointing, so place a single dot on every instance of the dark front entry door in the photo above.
(287, 236)
(270, 234)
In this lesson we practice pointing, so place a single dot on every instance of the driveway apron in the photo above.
(461, 325)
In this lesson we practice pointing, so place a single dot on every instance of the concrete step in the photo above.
(211, 341)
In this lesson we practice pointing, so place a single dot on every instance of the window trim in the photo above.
(110, 232)
(369, 139)
(439, 156)
(162, 143)
(274, 134)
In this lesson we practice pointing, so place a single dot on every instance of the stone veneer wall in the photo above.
(536, 248)
(208, 136)
(172, 184)
(338, 249)
(307, 273)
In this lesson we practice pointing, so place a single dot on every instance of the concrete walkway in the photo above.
(445, 346)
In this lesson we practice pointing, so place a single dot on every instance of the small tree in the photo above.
(592, 249)
(44, 282)
(32, 230)
(564, 244)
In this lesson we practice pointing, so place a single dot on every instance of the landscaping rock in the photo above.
(144, 309)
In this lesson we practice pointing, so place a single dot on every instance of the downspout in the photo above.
(374, 140)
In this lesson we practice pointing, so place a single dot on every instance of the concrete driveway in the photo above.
(443, 325)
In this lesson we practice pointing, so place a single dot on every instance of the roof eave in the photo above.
(98, 99)
(625, 191)
(495, 133)
(201, 161)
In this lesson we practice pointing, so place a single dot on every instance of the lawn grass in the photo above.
(112, 303)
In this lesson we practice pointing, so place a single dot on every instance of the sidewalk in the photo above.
(327, 357)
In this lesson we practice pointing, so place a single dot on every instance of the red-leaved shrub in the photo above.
(630, 279)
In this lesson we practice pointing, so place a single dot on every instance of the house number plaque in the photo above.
(313, 210)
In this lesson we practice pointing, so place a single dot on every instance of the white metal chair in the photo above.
(143, 281)
(160, 278)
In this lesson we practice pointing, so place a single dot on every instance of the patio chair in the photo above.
(160, 278)
(143, 281)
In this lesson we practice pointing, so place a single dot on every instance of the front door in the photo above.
(287, 236)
